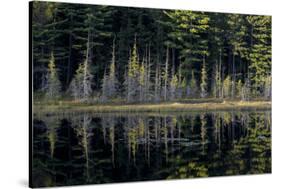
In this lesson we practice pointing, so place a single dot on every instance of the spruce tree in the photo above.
(76, 87)
(173, 87)
(227, 87)
(203, 84)
(193, 85)
(53, 86)
(133, 76)
(260, 51)
(109, 85)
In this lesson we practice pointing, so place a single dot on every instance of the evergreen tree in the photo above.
(204, 84)
(239, 87)
(217, 82)
(109, 84)
(81, 84)
(142, 75)
(173, 87)
(157, 84)
(112, 75)
(166, 75)
(267, 87)
(217, 40)
(133, 76)
(227, 87)
(147, 75)
(188, 31)
(87, 76)
(171, 45)
(53, 86)
(260, 52)
(193, 85)
(182, 89)
(237, 43)
(246, 90)
(105, 88)
(76, 85)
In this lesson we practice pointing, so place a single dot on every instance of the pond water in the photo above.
(84, 148)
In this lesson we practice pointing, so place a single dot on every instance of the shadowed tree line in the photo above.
(103, 54)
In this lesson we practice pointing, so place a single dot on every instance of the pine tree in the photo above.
(157, 84)
(246, 90)
(237, 41)
(133, 76)
(166, 75)
(267, 87)
(53, 86)
(173, 87)
(46, 38)
(76, 85)
(216, 84)
(171, 44)
(203, 85)
(227, 87)
(142, 75)
(217, 40)
(182, 89)
(193, 85)
(188, 34)
(109, 84)
(147, 74)
(260, 52)
(80, 86)
(87, 76)
(105, 88)
(112, 76)
(239, 87)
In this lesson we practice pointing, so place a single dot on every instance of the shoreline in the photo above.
(161, 107)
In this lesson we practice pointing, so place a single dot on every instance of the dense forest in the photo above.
(101, 54)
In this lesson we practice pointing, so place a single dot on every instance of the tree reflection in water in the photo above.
(85, 148)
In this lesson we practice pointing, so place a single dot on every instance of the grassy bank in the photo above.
(64, 107)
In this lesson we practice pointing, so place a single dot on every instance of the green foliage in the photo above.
(133, 69)
(150, 47)
(80, 86)
(227, 87)
(260, 50)
(239, 87)
(223, 143)
(53, 86)
(133, 78)
(246, 91)
(76, 85)
(109, 83)
(174, 84)
(193, 85)
(217, 83)
(187, 34)
(203, 85)
(267, 87)
(191, 170)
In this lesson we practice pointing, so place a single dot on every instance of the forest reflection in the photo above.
(103, 148)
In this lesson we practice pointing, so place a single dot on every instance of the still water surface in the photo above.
(103, 148)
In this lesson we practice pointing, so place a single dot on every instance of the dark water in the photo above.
(88, 148)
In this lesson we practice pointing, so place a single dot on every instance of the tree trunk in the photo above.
(69, 66)
(173, 61)
(220, 77)
(148, 74)
(166, 74)
(233, 76)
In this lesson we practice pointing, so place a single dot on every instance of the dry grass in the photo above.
(161, 107)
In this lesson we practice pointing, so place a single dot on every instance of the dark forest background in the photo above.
(104, 53)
